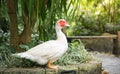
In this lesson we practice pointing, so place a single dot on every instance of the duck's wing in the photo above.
(46, 50)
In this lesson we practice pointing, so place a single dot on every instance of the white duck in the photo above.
(48, 52)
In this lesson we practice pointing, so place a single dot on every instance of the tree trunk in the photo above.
(14, 38)
(25, 36)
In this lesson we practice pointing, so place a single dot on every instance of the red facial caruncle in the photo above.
(62, 23)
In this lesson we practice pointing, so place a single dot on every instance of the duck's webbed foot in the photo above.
(50, 65)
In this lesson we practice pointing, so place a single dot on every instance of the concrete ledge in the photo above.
(87, 68)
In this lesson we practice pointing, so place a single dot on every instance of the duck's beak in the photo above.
(67, 25)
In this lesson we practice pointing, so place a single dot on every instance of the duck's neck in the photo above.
(60, 35)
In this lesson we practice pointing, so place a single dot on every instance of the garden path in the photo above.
(110, 63)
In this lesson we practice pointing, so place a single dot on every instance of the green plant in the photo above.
(76, 54)
(94, 15)
(5, 54)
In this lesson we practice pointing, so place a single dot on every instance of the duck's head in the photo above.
(62, 23)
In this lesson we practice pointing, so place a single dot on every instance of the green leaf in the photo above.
(24, 47)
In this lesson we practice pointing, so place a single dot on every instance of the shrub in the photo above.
(76, 54)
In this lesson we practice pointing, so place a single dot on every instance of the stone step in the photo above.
(92, 67)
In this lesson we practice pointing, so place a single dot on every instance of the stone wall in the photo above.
(108, 43)
(101, 45)
(92, 67)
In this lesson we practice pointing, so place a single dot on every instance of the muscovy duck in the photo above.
(49, 51)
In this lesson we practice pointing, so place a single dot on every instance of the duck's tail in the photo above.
(24, 55)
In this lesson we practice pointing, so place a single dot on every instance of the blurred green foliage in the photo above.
(86, 17)
(96, 17)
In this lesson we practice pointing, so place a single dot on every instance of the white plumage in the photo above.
(48, 52)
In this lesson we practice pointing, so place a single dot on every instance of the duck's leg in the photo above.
(50, 65)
